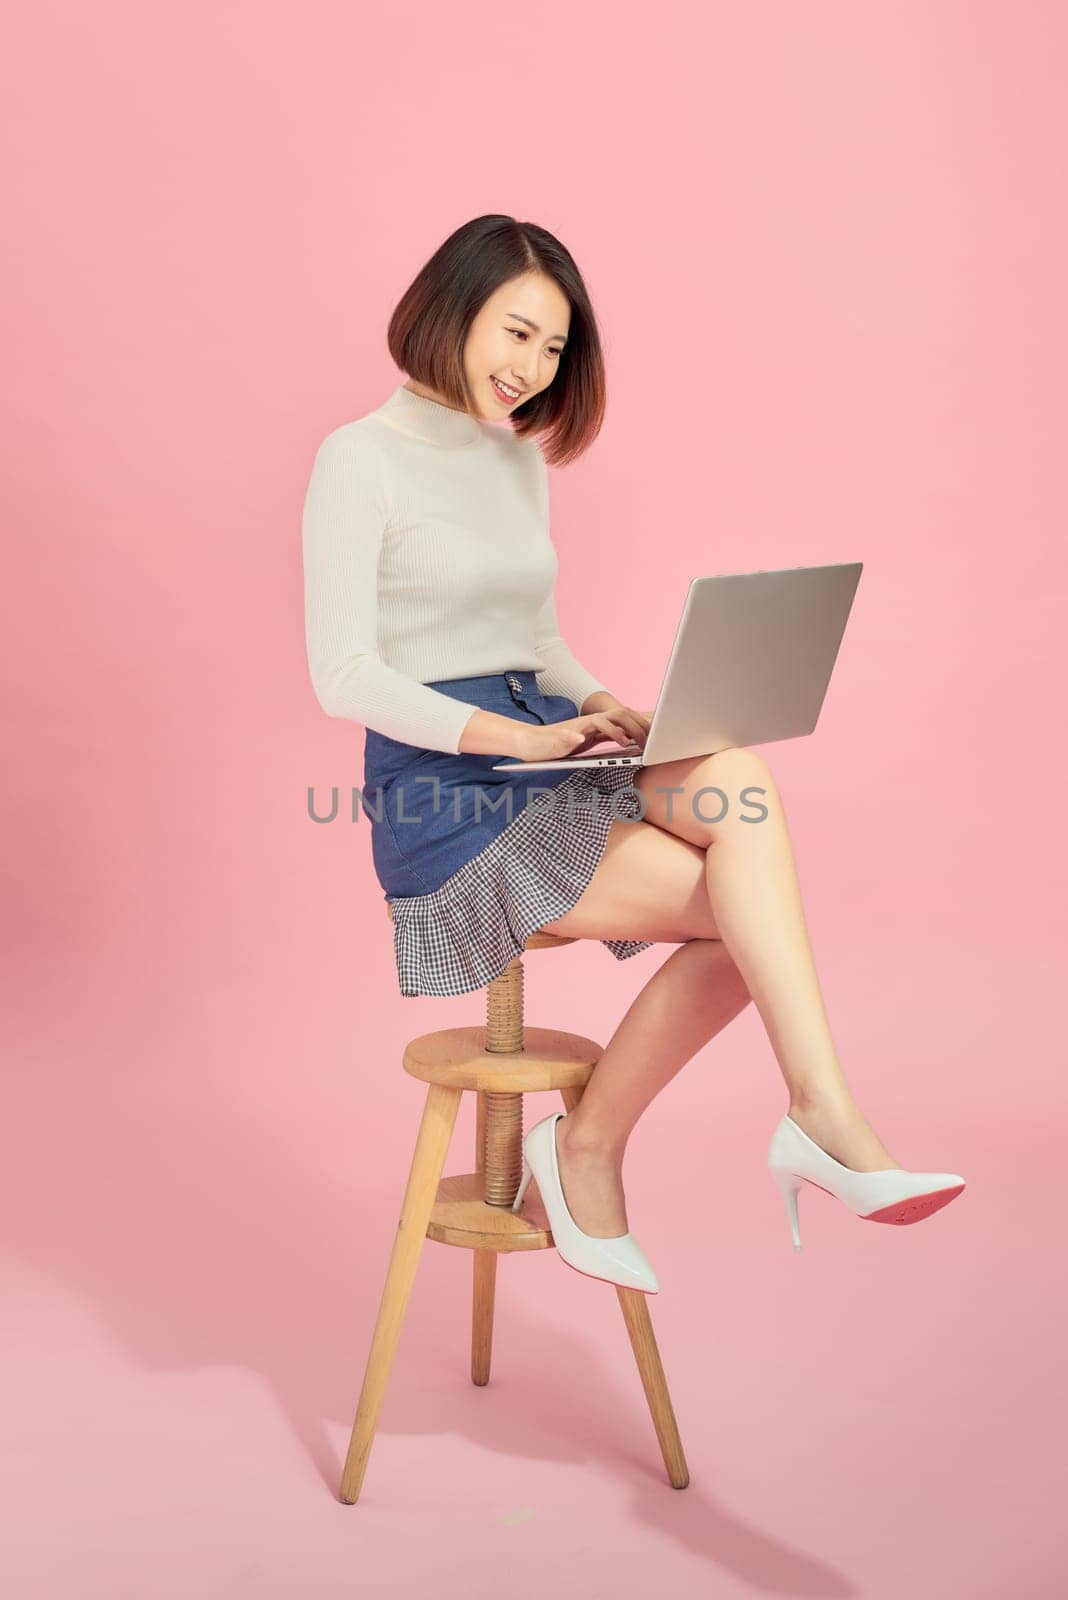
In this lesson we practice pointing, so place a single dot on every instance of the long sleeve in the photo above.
(563, 673)
(342, 531)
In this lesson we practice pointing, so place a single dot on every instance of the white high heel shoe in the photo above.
(892, 1195)
(617, 1260)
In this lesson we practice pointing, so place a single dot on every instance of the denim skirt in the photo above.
(473, 861)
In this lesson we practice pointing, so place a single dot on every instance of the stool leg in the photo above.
(635, 1307)
(482, 1303)
(484, 1277)
(431, 1148)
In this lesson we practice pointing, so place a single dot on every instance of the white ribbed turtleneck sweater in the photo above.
(427, 556)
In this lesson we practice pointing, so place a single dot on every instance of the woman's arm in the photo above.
(601, 701)
(563, 673)
(343, 525)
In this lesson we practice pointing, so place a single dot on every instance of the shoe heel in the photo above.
(789, 1186)
(521, 1191)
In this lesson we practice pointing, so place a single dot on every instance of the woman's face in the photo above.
(518, 337)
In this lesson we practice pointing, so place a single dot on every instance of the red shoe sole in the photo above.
(916, 1209)
(905, 1211)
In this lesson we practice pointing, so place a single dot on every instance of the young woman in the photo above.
(429, 578)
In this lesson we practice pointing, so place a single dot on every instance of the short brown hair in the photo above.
(428, 328)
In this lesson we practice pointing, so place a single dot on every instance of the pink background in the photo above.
(827, 246)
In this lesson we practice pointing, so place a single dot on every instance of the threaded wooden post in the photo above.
(504, 1010)
(503, 1136)
(503, 1147)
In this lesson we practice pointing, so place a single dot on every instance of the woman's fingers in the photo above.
(622, 725)
(633, 724)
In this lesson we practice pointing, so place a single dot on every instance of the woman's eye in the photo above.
(522, 334)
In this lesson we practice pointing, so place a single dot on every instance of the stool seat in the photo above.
(537, 940)
(459, 1059)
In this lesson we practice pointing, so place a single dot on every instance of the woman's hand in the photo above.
(620, 725)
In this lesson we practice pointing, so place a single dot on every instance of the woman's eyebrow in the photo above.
(533, 325)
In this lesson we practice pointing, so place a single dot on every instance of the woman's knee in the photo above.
(693, 798)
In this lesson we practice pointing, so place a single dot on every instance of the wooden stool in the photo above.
(500, 1063)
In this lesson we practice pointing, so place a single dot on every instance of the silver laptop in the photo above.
(752, 658)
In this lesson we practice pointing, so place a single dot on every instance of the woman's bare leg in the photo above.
(735, 881)
(755, 897)
(696, 992)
